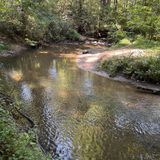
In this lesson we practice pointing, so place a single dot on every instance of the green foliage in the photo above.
(16, 144)
(139, 68)
(116, 65)
(139, 42)
(124, 42)
(3, 47)
(143, 43)
(31, 42)
(34, 21)
(120, 35)
(59, 20)
(85, 15)
(141, 17)
(72, 35)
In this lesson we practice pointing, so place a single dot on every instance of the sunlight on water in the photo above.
(81, 115)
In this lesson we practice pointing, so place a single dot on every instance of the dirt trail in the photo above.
(89, 61)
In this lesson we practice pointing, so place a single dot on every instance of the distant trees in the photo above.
(110, 19)
(141, 17)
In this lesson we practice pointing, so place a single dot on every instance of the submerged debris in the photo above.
(85, 52)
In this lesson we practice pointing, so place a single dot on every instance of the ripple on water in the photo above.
(82, 116)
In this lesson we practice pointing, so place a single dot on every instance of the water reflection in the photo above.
(26, 92)
(83, 116)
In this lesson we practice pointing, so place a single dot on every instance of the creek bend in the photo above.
(80, 115)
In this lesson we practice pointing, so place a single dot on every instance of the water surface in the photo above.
(80, 115)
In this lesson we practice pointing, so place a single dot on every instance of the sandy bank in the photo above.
(90, 62)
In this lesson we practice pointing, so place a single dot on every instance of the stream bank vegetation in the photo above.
(15, 142)
(144, 68)
(134, 23)
(17, 134)
(142, 65)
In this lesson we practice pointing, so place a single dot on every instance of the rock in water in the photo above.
(85, 52)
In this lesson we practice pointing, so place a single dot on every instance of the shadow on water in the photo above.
(80, 115)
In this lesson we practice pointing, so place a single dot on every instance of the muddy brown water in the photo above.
(80, 115)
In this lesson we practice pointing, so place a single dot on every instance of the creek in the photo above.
(80, 115)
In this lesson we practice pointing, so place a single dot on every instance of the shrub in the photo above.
(31, 43)
(124, 42)
(120, 35)
(115, 65)
(59, 30)
(72, 35)
(141, 68)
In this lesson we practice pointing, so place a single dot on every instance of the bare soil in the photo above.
(90, 62)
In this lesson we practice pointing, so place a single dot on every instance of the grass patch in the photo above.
(138, 68)
(140, 42)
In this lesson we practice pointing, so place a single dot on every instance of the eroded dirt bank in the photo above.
(91, 60)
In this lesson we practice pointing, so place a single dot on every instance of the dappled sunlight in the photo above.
(77, 114)
(86, 74)
(92, 59)
(86, 139)
(43, 52)
(95, 114)
(62, 78)
(37, 65)
(16, 75)
(44, 82)
(32, 85)
(72, 56)
(62, 93)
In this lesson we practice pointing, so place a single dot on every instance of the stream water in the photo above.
(80, 115)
